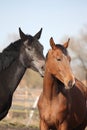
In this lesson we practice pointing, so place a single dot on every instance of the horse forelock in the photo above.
(62, 48)
(31, 38)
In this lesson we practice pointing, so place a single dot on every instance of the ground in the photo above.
(17, 128)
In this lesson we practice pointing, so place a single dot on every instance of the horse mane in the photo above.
(9, 54)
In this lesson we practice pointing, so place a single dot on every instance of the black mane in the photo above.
(15, 46)
(9, 54)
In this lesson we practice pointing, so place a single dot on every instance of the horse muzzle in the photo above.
(70, 84)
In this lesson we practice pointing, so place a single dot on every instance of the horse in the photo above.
(26, 52)
(62, 103)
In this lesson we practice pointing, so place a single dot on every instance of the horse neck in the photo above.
(48, 86)
(52, 86)
(12, 75)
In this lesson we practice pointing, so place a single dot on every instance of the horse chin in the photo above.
(41, 74)
(68, 87)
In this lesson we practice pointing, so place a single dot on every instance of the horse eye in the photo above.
(29, 48)
(58, 59)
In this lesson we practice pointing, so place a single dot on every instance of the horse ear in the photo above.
(37, 35)
(22, 35)
(52, 43)
(66, 44)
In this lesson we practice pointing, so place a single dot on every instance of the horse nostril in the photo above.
(43, 67)
(70, 83)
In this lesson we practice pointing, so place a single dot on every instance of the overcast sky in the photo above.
(58, 18)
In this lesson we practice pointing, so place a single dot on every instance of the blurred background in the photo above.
(59, 19)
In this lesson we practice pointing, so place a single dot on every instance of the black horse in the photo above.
(27, 52)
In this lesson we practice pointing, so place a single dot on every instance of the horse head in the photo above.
(32, 52)
(58, 63)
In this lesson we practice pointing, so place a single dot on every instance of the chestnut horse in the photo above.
(62, 104)
(26, 52)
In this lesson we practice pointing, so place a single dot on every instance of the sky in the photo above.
(58, 18)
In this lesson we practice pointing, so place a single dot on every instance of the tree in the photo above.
(79, 47)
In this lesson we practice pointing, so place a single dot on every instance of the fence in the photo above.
(24, 105)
